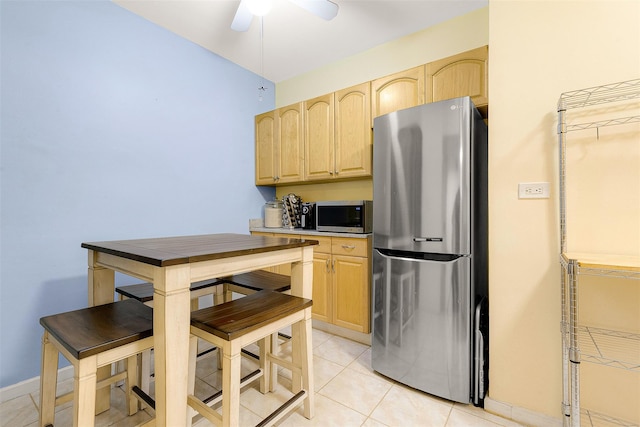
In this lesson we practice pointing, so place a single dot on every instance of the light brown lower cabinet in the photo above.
(341, 280)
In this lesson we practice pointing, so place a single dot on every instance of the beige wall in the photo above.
(537, 50)
(454, 36)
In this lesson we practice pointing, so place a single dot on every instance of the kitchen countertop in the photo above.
(305, 232)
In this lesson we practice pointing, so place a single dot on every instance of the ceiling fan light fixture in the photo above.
(259, 7)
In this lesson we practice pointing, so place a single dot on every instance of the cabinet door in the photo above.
(464, 74)
(353, 150)
(397, 91)
(265, 148)
(289, 140)
(351, 292)
(322, 276)
(319, 160)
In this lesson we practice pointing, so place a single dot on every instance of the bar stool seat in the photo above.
(143, 292)
(91, 338)
(235, 324)
(251, 282)
(254, 281)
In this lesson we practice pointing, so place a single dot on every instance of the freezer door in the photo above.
(421, 180)
(422, 324)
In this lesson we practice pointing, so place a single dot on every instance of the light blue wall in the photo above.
(112, 128)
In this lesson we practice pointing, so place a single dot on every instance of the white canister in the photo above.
(273, 214)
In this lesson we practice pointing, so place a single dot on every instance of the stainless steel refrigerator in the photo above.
(429, 278)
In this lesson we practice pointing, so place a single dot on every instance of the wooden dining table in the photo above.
(172, 264)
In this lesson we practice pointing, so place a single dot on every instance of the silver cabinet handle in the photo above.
(333, 266)
(348, 246)
(327, 266)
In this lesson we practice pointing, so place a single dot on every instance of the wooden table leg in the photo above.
(302, 286)
(101, 288)
(302, 274)
(171, 314)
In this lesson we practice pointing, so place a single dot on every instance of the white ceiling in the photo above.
(295, 41)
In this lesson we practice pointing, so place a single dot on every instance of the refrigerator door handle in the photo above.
(419, 256)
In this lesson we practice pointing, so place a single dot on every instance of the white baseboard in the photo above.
(31, 385)
(520, 415)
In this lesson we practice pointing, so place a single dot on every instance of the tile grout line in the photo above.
(376, 407)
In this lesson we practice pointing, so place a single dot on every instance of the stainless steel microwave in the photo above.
(344, 216)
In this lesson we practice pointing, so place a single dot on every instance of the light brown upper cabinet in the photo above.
(319, 147)
(337, 134)
(353, 134)
(290, 138)
(330, 137)
(279, 146)
(397, 91)
(265, 148)
(464, 74)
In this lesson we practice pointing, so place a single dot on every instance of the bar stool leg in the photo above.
(218, 294)
(144, 374)
(191, 384)
(297, 336)
(48, 380)
(84, 395)
(266, 365)
(231, 361)
(303, 356)
(132, 380)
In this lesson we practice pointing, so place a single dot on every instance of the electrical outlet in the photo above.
(533, 190)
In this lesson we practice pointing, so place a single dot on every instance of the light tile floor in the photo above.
(348, 393)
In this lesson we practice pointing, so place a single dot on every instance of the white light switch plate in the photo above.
(533, 190)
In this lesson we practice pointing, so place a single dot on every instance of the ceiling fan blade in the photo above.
(325, 9)
(242, 19)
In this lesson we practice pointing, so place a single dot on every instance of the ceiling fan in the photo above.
(324, 9)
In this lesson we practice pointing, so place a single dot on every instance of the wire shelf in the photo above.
(614, 92)
(602, 123)
(617, 349)
(604, 265)
(605, 272)
(594, 419)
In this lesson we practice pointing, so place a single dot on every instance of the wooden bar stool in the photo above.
(251, 282)
(222, 290)
(91, 338)
(143, 292)
(235, 324)
(254, 281)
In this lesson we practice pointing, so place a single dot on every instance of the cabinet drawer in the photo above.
(324, 243)
(353, 247)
